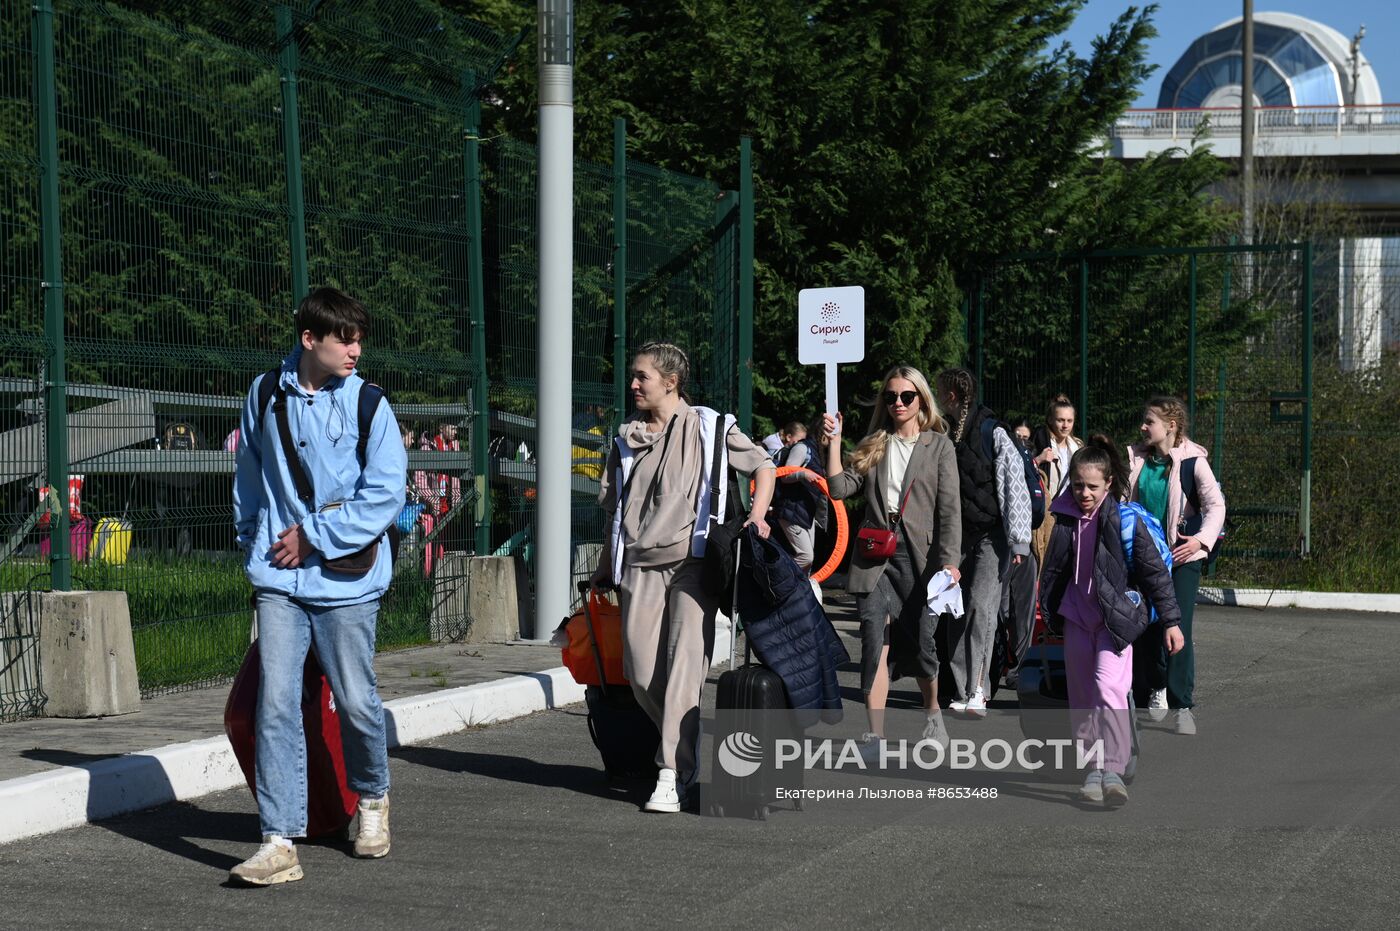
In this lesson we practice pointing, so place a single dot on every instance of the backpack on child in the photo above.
(1129, 515)
(1190, 526)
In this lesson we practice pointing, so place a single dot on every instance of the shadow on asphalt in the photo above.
(175, 829)
(585, 780)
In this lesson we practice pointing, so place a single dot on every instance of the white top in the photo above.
(1065, 452)
(898, 450)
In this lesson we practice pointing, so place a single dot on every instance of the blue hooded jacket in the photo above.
(265, 500)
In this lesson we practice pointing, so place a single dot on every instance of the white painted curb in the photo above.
(71, 796)
(74, 795)
(1317, 601)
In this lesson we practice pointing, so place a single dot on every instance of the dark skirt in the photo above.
(899, 599)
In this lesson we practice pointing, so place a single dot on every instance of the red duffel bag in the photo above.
(330, 804)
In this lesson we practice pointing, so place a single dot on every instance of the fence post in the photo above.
(287, 61)
(980, 358)
(1084, 344)
(1219, 458)
(56, 384)
(1191, 348)
(619, 270)
(726, 269)
(1305, 511)
(476, 297)
(745, 411)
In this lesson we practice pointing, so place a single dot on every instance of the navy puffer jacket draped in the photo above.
(789, 631)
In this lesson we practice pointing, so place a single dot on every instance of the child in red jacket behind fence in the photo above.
(1089, 592)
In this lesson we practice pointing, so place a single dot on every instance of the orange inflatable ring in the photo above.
(843, 532)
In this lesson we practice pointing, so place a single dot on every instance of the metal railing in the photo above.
(1181, 125)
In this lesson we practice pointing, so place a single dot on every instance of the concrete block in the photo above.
(475, 599)
(87, 662)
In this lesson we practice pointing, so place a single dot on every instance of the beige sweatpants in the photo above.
(668, 629)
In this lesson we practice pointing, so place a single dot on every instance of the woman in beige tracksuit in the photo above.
(659, 514)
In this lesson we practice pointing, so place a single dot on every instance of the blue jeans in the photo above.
(344, 641)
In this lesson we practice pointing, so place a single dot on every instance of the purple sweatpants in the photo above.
(1099, 681)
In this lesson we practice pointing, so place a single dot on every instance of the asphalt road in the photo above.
(513, 825)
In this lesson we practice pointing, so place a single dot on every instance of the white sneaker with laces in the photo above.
(372, 840)
(668, 794)
(274, 863)
(1157, 705)
(1185, 722)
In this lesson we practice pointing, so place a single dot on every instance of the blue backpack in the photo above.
(1129, 514)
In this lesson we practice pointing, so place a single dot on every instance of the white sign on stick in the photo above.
(830, 325)
(830, 330)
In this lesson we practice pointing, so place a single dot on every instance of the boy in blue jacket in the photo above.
(302, 602)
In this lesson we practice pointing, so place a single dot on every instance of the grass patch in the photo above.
(190, 617)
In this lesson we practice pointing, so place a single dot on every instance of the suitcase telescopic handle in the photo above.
(734, 606)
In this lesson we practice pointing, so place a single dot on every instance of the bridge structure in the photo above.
(1317, 105)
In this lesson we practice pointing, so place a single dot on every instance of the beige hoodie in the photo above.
(658, 512)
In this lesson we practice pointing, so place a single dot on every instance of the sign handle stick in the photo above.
(831, 407)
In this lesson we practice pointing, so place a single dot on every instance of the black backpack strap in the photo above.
(267, 387)
(1188, 481)
(289, 450)
(370, 396)
(721, 437)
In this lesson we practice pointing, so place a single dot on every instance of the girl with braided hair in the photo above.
(1170, 476)
(906, 468)
(996, 518)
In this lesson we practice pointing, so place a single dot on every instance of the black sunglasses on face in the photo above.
(904, 397)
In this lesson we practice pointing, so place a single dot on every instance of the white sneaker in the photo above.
(871, 745)
(975, 706)
(668, 794)
(1185, 722)
(372, 841)
(1157, 705)
(935, 731)
(273, 863)
(1092, 789)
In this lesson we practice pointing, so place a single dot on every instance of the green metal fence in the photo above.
(172, 178)
(656, 256)
(1256, 340)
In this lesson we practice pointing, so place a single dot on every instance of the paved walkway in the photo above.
(29, 747)
(513, 824)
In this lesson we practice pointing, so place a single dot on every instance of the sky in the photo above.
(1180, 22)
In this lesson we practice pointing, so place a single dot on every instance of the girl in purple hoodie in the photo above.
(1101, 604)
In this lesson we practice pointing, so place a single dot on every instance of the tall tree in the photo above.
(897, 143)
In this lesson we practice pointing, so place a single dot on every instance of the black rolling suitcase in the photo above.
(751, 712)
(622, 731)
